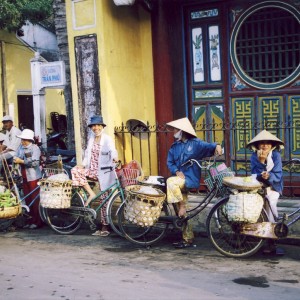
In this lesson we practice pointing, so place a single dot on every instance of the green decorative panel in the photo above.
(243, 114)
(270, 111)
(294, 113)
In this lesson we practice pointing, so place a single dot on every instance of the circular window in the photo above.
(265, 45)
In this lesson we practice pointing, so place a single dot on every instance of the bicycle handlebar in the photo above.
(192, 161)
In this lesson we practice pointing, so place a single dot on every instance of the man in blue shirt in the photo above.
(187, 146)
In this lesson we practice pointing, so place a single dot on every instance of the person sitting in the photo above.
(187, 146)
(100, 153)
(266, 164)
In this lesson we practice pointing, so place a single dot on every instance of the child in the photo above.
(28, 157)
(266, 164)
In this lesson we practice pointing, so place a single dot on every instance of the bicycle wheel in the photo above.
(225, 235)
(111, 212)
(42, 213)
(144, 236)
(65, 221)
(5, 223)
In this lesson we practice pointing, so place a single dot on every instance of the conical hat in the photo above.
(265, 136)
(183, 124)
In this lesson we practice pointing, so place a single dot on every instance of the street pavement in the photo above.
(41, 264)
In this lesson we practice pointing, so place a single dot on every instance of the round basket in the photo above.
(242, 183)
(10, 212)
(55, 194)
(143, 204)
(244, 207)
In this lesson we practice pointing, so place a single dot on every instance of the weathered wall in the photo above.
(125, 62)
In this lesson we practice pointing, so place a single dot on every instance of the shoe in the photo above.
(26, 226)
(279, 251)
(183, 244)
(97, 233)
(33, 226)
(104, 233)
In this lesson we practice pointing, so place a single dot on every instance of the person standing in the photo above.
(99, 155)
(28, 157)
(187, 146)
(11, 143)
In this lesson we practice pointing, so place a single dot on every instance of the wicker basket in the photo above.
(242, 183)
(143, 209)
(244, 207)
(10, 212)
(55, 194)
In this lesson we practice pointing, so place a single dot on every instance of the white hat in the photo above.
(26, 134)
(183, 124)
(2, 137)
(265, 136)
(7, 118)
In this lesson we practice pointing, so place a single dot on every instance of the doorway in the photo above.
(25, 112)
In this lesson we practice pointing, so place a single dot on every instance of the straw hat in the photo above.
(265, 136)
(26, 134)
(183, 124)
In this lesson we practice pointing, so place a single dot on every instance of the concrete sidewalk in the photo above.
(284, 206)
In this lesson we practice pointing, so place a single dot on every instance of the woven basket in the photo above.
(244, 207)
(241, 183)
(55, 194)
(10, 212)
(143, 209)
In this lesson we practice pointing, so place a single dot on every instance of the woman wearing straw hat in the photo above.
(100, 153)
(28, 157)
(187, 146)
(266, 164)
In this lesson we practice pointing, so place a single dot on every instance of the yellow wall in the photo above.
(18, 78)
(125, 61)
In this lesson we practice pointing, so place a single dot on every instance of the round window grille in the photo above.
(265, 45)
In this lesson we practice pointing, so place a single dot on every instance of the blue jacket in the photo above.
(180, 152)
(276, 178)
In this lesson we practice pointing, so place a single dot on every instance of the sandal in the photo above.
(104, 233)
(183, 244)
(97, 233)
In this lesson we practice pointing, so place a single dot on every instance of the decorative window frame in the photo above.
(247, 79)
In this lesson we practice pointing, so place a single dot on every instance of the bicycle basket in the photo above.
(56, 192)
(9, 206)
(244, 207)
(216, 175)
(129, 172)
(143, 204)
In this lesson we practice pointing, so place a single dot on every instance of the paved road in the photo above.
(42, 265)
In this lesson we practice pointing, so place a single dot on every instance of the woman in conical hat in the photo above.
(267, 165)
(187, 146)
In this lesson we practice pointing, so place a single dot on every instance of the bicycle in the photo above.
(241, 240)
(148, 235)
(69, 220)
(16, 182)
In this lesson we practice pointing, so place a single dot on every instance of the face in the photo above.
(97, 128)
(25, 142)
(7, 125)
(265, 145)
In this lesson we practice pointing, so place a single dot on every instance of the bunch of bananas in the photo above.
(7, 199)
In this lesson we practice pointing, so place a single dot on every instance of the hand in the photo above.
(180, 174)
(265, 175)
(262, 155)
(218, 150)
(18, 160)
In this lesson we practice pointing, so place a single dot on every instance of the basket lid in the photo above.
(242, 183)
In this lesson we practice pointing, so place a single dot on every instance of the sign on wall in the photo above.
(52, 74)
